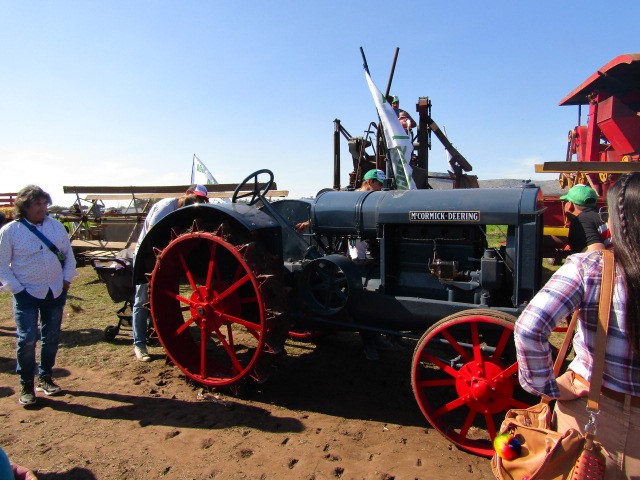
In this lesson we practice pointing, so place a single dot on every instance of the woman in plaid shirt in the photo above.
(576, 285)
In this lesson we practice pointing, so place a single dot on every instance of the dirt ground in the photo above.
(325, 413)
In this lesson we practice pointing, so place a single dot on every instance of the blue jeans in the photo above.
(26, 309)
(140, 315)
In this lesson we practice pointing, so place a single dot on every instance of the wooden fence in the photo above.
(7, 199)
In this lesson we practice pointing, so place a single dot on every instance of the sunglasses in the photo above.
(604, 214)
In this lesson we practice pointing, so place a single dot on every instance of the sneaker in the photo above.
(142, 354)
(27, 395)
(47, 386)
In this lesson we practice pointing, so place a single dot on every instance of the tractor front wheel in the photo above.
(211, 309)
(464, 377)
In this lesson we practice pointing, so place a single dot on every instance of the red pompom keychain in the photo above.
(507, 446)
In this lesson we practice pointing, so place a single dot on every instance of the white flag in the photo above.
(398, 141)
(201, 174)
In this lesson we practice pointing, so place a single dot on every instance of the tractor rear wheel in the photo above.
(464, 377)
(215, 309)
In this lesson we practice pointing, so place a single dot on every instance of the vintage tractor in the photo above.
(609, 145)
(229, 281)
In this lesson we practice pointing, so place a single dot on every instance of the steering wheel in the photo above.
(256, 193)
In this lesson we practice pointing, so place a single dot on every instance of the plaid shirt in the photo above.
(576, 285)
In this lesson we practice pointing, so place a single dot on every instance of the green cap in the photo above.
(581, 195)
(375, 175)
(395, 99)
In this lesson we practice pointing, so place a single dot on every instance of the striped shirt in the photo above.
(576, 285)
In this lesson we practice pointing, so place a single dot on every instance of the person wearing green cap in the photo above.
(360, 250)
(585, 226)
(373, 180)
(405, 119)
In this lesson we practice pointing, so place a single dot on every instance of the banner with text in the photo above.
(201, 174)
(398, 141)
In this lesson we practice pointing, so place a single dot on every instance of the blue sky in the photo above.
(125, 92)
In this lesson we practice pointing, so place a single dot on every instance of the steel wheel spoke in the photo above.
(444, 382)
(229, 349)
(230, 336)
(468, 422)
(187, 272)
(491, 426)
(237, 274)
(455, 345)
(184, 326)
(440, 364)
(510, 370)
(234, 287)
(502, 343)
(178, 297)
(475, 341)
(451, 406)
(211, 267)
(241, 321)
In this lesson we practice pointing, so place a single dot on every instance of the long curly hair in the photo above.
(25, 197)
(623, 200)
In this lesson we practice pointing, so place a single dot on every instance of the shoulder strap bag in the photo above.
(545, 453)
(45, 240)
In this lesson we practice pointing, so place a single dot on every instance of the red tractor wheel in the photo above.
(464, 377)
(212, 306)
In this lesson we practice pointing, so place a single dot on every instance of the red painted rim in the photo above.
(464, 377)
(208, 309)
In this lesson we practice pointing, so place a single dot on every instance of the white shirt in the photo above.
(158, 211)
(26, 262)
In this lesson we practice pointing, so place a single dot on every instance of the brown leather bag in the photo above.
(547, 454)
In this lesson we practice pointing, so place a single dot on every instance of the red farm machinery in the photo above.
(609, 144)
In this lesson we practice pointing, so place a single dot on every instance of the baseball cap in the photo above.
(375, 175)
(395, 99)
(581, 195)
(198, 190)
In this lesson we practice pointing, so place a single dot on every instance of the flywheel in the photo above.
(216, 308)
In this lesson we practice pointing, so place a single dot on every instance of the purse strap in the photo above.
(564, 348)
(604, 313)
(44, 239)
